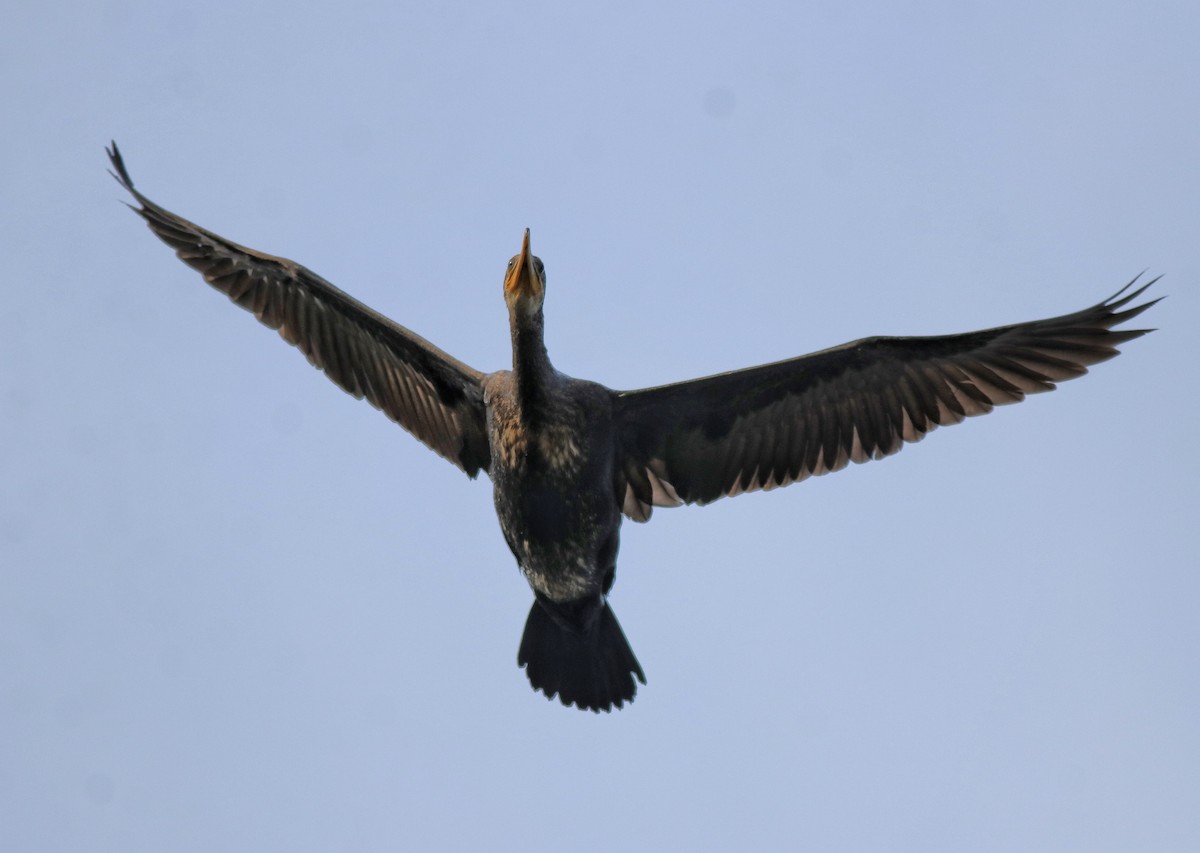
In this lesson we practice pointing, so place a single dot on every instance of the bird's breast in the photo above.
(554, 449)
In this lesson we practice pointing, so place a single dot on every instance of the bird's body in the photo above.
(569, 459)
(552, 477)
(552, 481)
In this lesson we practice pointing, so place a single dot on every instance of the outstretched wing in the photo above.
(769, 426)
(432, 395)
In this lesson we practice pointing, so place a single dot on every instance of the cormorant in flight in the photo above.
(568, 458)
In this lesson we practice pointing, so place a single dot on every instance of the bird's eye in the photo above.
(541, 270)
(511, 263)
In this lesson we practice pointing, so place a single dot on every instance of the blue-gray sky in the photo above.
(241, 610)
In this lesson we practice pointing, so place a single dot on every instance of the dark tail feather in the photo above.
(577, 650)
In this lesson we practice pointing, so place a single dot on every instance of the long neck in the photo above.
(531, 363)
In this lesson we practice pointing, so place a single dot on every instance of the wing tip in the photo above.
(1117, 300)
(121, 175)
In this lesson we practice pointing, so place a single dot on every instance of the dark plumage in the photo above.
(568, 458)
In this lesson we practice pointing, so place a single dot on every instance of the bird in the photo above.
(570, 459)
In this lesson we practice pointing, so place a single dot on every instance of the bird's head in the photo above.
(525, 281)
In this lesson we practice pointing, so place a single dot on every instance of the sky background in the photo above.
(240, 610)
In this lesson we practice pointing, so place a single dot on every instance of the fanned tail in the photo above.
(576, 649)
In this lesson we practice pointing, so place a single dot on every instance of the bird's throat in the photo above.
(531, 365)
